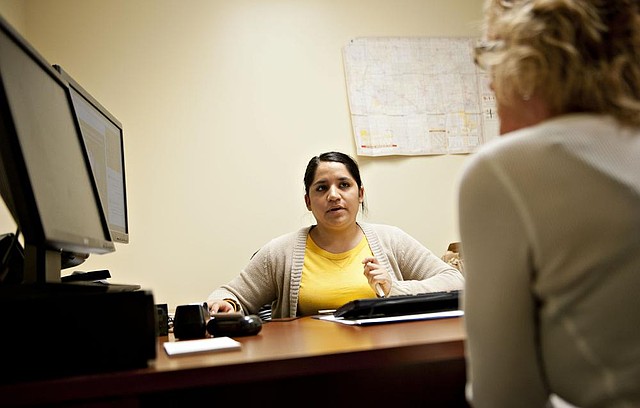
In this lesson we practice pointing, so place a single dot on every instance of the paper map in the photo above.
(417, 96)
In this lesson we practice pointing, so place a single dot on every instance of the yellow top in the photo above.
(330, 280)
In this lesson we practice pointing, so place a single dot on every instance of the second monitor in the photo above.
(103, 138)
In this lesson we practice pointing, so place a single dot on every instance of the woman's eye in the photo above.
(321, 188)
(345, 185)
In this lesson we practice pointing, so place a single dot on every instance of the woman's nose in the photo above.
(333, 193)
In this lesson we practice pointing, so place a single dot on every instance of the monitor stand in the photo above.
(41, 264)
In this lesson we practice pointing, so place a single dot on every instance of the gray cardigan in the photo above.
(273, 274)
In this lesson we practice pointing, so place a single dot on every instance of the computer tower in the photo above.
(60, 330)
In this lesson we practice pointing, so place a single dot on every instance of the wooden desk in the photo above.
(302, 362)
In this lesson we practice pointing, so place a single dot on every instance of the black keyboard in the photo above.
(106, 286)
(399, 305)
(97, 279)
(86, 276)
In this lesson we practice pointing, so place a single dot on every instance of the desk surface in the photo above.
(283, 350)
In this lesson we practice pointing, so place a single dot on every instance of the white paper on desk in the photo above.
(201, 345)
(391, 319)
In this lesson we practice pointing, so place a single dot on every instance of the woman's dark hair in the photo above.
(338, 157)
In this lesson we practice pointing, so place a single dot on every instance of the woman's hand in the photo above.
(377, 277)
(220, 306)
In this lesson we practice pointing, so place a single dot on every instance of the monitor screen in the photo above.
(104, 141)
(46, 179)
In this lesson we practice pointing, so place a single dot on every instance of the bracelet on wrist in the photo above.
(236, 306)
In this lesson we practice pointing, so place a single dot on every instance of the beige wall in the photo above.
(14, 12)
(223, 104)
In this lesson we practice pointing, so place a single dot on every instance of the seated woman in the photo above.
(336, 260)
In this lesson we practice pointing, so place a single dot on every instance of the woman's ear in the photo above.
(307, 202)
(361, 195)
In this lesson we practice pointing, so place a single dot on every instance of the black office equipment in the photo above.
(97, 279)
(87, 276)
(233, 325)
(45, 174)
(106, 286)
(190, 321)
(163, 319)
(11, 259)
(49, 328)
(57, 330)
(103, 137)
(399, 305)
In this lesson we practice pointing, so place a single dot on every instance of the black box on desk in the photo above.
(59, 330)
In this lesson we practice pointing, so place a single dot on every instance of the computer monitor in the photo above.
(104, 141)
(45, 175)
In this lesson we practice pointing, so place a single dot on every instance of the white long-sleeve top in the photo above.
(550, 228)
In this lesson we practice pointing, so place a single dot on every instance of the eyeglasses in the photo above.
(483, 48)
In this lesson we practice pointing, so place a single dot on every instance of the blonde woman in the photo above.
(550, 212)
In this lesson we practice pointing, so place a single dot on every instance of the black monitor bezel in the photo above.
(116, 234)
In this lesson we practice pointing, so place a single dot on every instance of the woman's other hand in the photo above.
(377, 276)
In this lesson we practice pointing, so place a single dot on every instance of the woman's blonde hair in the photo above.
(577, 55)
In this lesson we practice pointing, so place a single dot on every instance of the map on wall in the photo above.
(417, 96)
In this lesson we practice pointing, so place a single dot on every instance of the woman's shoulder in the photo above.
(288, 238)
(559, 130)
(530, 149)
(511, 150)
